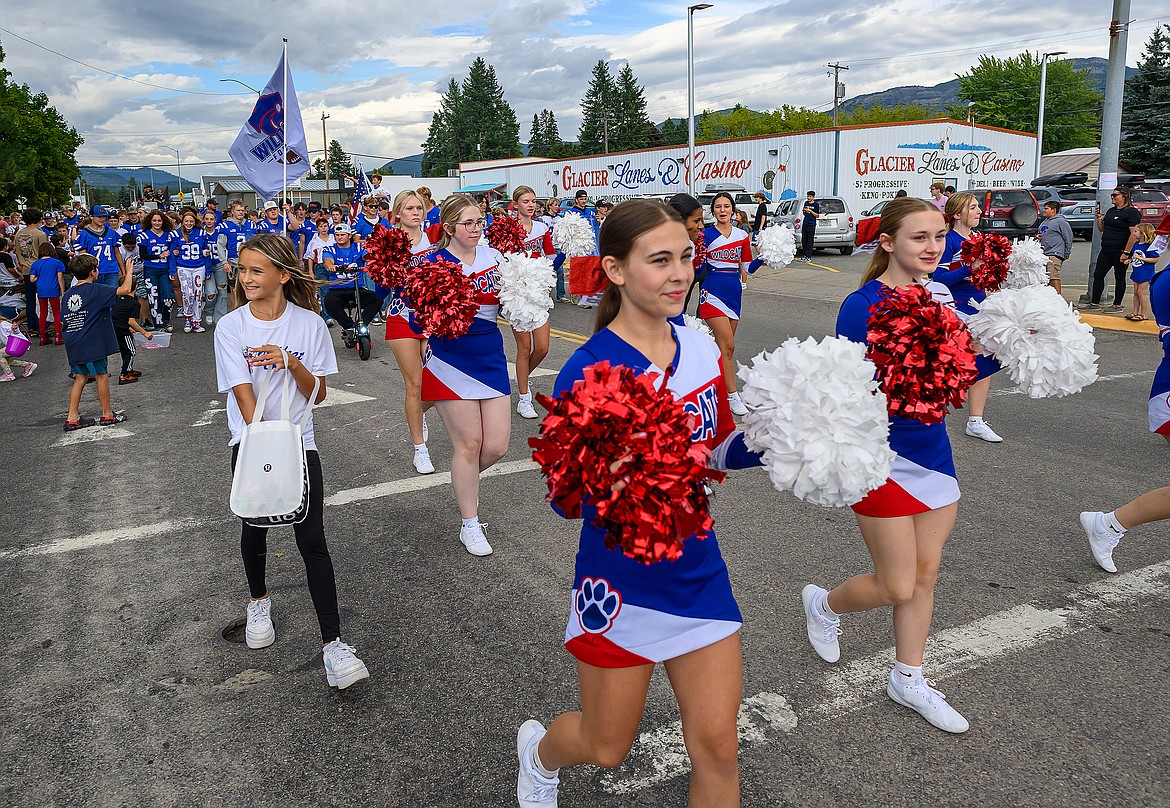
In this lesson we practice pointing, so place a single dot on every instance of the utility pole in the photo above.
(325, 143)
(838, 90)
(605, 128)
(1111, 118)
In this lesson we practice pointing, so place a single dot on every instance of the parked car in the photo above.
(1011, 212)
(835, 227)
(1152, 203)
(1076, 203)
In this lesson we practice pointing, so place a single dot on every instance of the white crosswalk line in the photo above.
(93, 434)
(208, 417)
(336, 398)
(534, 374)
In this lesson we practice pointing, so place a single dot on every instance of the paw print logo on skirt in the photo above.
(597, 605)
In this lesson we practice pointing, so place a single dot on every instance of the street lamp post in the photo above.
(1040, 120)
(249, 86)
(971, 120)
(178, 167)
(691, 92)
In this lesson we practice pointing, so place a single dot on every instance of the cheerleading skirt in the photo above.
(720, 296)
(468, 368)
(1159, 412)
(922, 477)
(985, 366)
(624, 613)
(398, 321)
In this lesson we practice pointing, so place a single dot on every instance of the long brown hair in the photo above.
(893, 215)
(301, 289)
(623, 226)
(957, 205)
(449, 215)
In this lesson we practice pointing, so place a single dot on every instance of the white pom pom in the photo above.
(777, 245)
(699, 325)
(1027, 265)
(573, 235)
(1038, 338)
(816, 413)
(526, 290)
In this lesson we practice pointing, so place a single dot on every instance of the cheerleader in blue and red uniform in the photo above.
(467, 377)
(906, 521)
(627, 616)
(729, 249)
(407, 342)
(962, 215)
(531, 347)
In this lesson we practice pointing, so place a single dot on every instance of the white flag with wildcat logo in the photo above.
(273, 136)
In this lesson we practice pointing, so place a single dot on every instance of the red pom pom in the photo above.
(506, 235)
(444, 300)
(700, 254)
(388, 252)
(923, 353)
(987, 255)
(616, 415)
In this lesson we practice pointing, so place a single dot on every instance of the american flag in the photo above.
(361, 190)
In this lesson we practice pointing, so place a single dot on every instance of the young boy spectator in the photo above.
(48, 273)
(126, 325)
(89, 340)
(1056, 238)
(6, 374)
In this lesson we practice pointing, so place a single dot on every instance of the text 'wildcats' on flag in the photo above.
(271, 144)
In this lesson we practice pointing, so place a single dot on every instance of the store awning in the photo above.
(487, 186)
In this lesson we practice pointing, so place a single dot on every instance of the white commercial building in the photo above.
(862, 164)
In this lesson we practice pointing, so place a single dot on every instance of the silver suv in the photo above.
(835, 227)
(1077, 203)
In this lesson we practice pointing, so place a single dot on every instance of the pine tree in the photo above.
(486, 126)
(441, 150)
(597, 110)
(1146, 116)
(340, 165)
(629, 127)
(557, 148)
(538, 146)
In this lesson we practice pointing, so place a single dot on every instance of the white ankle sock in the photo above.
(1111, 525)
(536, 764)
(526, 396)
(823, 607)
(734, 396)
(472, 522)
(975, 419)
(420, 447)
(907, 673)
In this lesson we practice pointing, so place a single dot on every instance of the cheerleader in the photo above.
(906, 521)
(531, 347)
(407, 343)
(276, 326)
(626, 616)
(191, 251)
(691, 211)
(1159, 406)
(720, 299)
(467, 377)
(963, 214)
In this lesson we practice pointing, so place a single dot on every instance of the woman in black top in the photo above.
(1118, 233)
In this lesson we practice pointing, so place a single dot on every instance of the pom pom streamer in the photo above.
(699, 256)
(699, 325)
(506, 235)
(816, 413)
(923, 354)
(388, 253)
(573, 236)
(777, 245)
(526, 285)
(1027, 265)
(444, 300)
(987, 255)
(614, 417)
(1035, 334)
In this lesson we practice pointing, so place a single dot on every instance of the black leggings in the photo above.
(338, 301)
(311, 544)
(1109, 259)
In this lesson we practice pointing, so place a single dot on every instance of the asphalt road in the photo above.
(120, 567)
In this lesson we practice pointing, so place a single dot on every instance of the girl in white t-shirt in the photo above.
(277, 309)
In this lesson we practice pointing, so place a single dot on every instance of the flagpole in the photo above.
(284, 128)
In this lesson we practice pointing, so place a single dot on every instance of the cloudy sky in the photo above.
(377, 68)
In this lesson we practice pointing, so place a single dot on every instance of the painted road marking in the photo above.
(337, 398)
(658, 755)
(1119, 323)
(533, 373)
(345, 497)
(1015, 391)
(208, 417)
(92, 434)
(569, 336)
(822, 266)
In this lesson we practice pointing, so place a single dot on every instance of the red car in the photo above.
(1011, 212)
(1151, 203)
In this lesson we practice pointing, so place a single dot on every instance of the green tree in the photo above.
(1146, 115)
(340, 165)
(597, 110)
(743, 122)
(474, 122)
(630, 126)
(38, 147)
(537, 146)
(1006, 92)
(441, 151)
(879, 113)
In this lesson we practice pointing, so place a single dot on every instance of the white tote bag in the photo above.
(270, 484)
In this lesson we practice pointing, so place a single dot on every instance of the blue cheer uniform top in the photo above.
(399, 323)
(624, 613)
(473, 366)
(721, 294)
(1159, 407)
(923, 475)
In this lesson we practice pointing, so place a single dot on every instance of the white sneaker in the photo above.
(981, 430)
(1101, 539)
(260, 633)
(524, 406)
(422, 461)
(342, 668)
(532, 788)
(737, 406)
(822, 632)
(208, 319)
(474, 540)
(921, 696)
